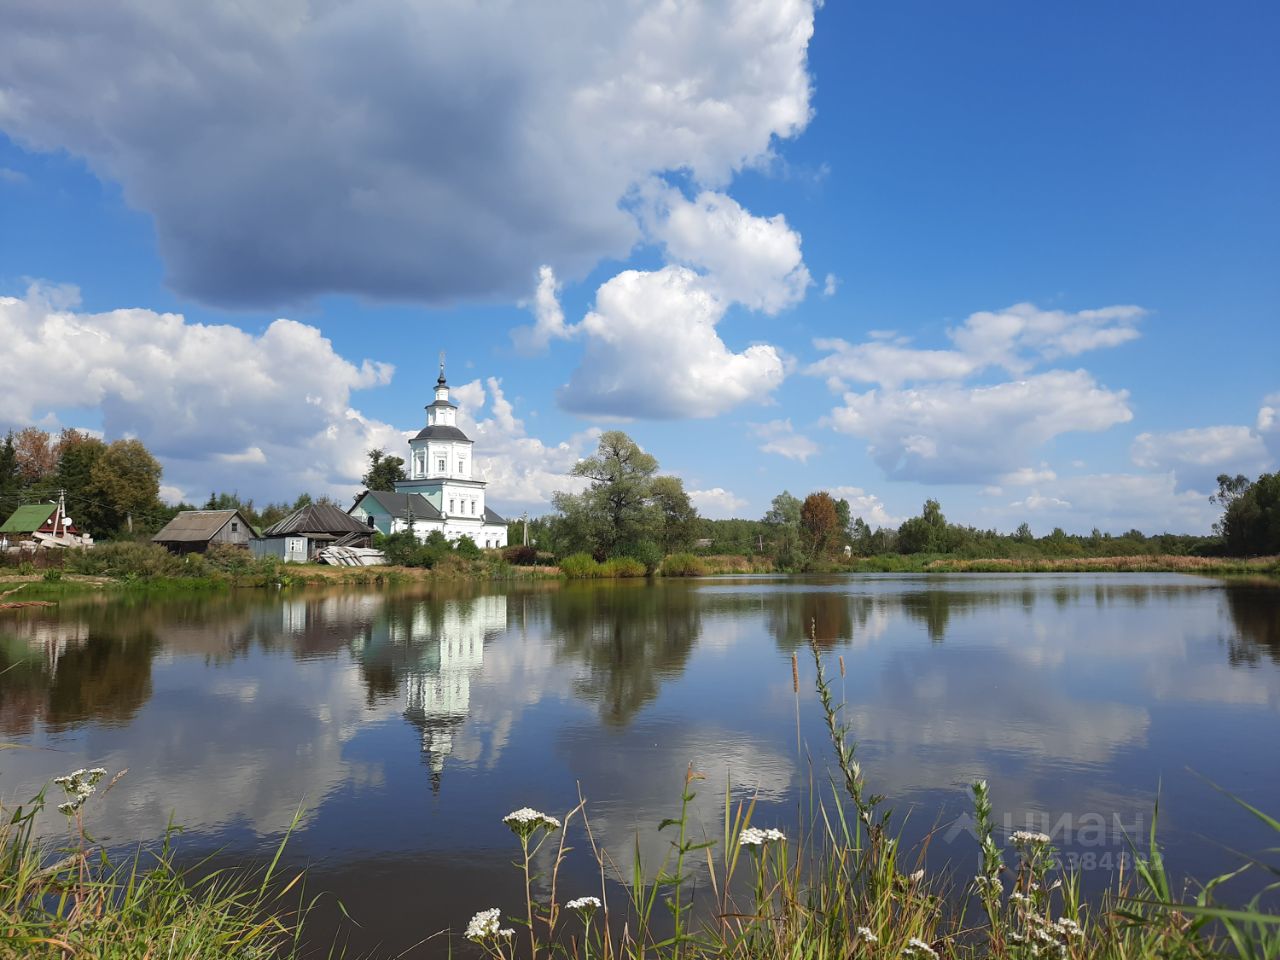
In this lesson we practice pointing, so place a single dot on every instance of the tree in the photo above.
(621, 476)
(784, 511)
(677, 518)
(926, 533)
(1230, 489)
(1251, 524)
(844, 521)
(78, 453)
(125, 479)
(819, 523)
(783, 523)
(384, 471)
(37, 456)
(10, 478)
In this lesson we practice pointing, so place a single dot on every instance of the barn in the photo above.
(194, 531)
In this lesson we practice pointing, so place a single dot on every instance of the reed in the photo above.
(78, 901)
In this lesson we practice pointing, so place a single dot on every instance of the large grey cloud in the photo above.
(398, 148)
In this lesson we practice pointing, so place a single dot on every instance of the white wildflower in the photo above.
(526, 820)
(79, 786)
(1017, 896)
(915, 945)
(917, 876)
(585, 905)
(755, 837)
(866, 936)
(485, 925)
(990, 884)
(506, 933)
(1029, 837)
(1068, 927)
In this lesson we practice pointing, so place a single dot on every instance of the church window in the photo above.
(473, 508)
(440, 464)
(451, 506)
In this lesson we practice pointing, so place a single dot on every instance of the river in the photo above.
(403, 724)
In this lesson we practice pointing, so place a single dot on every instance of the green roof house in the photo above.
(27, 520)
(35, 518)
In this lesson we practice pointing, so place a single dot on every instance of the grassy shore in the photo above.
(145, 567)
(941, 563)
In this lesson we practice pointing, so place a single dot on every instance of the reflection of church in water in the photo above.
(450, 652)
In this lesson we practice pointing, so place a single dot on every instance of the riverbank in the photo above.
(941, 563)
(146, 568)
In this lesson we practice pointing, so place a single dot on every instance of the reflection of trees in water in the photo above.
(837, 617)
(1255, 612)
(630, 637)
(63, 673)
(830, 617)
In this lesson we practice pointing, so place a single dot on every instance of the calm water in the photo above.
(407, 724)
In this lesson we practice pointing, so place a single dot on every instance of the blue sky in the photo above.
(1021, 259)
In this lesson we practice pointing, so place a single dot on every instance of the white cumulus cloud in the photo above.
(781, 438)
(1113, 502)
(548, 317)
(1198, 455)
(717, 502)
(400, 150)
(522, 471)
(867, 506)
(952, 433)
(751, 260)
(217, 404)
(652, 350)
(1014, 339)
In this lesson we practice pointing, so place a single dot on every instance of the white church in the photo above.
(442, 491)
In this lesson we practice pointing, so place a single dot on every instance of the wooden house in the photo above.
(308, 529)
(194, 531)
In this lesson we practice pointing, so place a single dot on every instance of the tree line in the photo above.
(629, 510)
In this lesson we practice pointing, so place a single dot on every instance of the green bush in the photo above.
(623, 567)
(467, 549)
(134, 561)
(684, 565)
(646, 552)
(580, 566)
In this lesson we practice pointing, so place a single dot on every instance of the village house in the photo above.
(41, 523)
(298, 537)
(195, 531)
(442, 491)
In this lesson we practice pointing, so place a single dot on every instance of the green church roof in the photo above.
(28, 519)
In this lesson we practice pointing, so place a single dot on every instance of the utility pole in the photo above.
(526, 527)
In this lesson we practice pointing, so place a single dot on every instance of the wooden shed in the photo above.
(317, 525)
(193, 531)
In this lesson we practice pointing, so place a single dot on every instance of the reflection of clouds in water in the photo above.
(1214, 683)
(965, 707)
(633, 781)
(211, 762)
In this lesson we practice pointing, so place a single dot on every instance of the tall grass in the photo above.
(844, 889)
(79, 901)
(583, 566)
